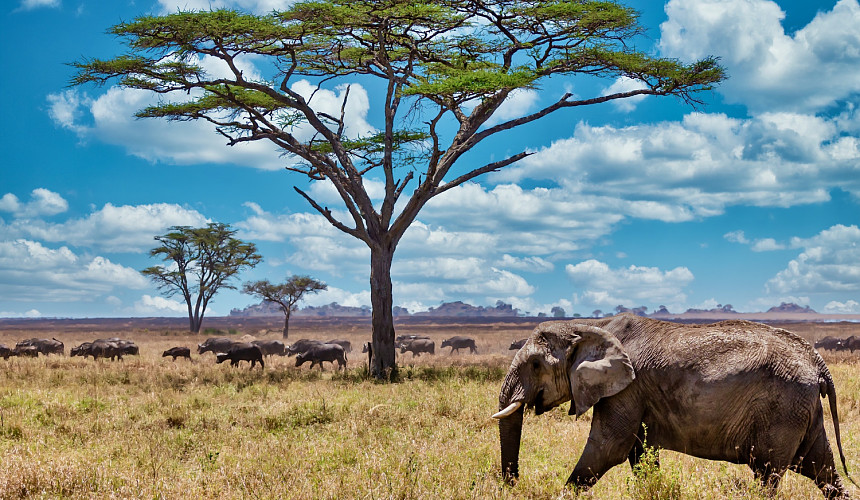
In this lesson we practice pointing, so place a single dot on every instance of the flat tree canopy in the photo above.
(445, 67)
(201, 261)
(286, 295)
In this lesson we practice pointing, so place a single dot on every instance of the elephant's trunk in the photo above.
(511, 425)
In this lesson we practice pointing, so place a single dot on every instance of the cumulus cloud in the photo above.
(599, 285)
(125, 228)
(32, 313)
(43, 202)
(519, 103)
(159, 306)
(531, 264)
(35, 4)
(770, 69)
(680, 171)
(847, 307)
(625, 84)
(32, 271)
(758, 245)
(829, 262)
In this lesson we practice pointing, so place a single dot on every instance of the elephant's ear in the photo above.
(600, 367)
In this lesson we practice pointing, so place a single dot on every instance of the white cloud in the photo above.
(42, 202)
(339, 295)
(32, 313)
(830, 262)
(758, 245)
(680, 171)
(126, 228)
(35, 4)
(598, 285)
(769, 69)
(531, 264)
(847, 307)
(625, 84)
(519, 103)
(160, 306)
(33, 272)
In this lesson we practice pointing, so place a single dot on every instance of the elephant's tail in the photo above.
(829, 390)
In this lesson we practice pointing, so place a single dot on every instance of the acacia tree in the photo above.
(286, 295)
(202, 261)
(444, 68)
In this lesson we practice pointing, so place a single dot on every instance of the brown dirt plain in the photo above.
(148, 427)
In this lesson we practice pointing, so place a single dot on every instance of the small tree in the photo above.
(286, 295)
(443, 69)
(202, 262)
(558, 312)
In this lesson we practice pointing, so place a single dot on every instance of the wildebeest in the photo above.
(214, 345)
(302, 345)
(516, 345)
(320, 353)
(459, 342)
(270, 347)
(403, 339)
(347, 345)
(829, 343)
(417, 346)
(242, 351)
(177, 352)
(44, 346)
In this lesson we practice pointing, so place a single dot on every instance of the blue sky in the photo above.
(752, 200)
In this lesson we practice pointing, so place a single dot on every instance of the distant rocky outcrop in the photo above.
(449, 309)
(720, 309)
(461, 309)
(791, 307)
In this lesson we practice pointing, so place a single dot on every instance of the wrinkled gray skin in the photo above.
(323, 352)
(457, 343)
(736, 391)
(417, 346)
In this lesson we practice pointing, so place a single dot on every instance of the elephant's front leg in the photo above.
(613, 435)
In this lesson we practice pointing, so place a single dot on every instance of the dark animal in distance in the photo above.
(125, 346)
(417, 346)
(5, 352)
(214, 345)
(242, 351)
(302, 345)
(26, 351)
(403, 339)
(322, 352)
(516, 345)
(736, 391)
(177, 352)
(101, 348)
(44, 346)
(459, 342)
(829, 343)
(270, 347)
(347, 345)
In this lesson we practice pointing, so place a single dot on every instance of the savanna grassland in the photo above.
(149, 427)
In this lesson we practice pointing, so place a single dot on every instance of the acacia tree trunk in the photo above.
(383, 363)
(286, 324)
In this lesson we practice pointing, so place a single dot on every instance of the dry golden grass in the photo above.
(148, 427)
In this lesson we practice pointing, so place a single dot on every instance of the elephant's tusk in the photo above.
(508, 411)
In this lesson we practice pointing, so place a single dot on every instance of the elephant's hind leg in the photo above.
(819, 465)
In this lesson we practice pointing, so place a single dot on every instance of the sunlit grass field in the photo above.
(148, 427)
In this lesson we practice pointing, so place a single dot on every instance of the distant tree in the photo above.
(597, 313)
(202, 261)
(558, 312)
(286, 295)
(443, 69)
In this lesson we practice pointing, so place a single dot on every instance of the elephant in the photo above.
(242, 351)
(457, 343)
(735, 391)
